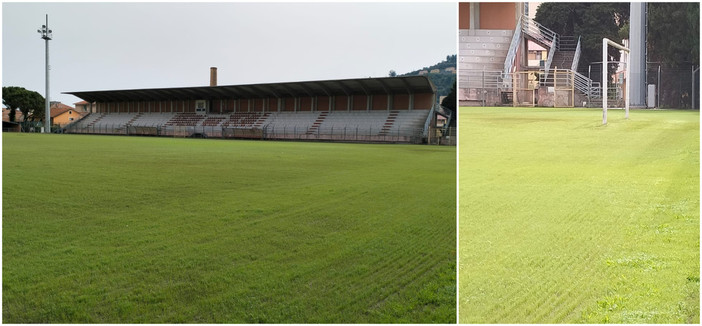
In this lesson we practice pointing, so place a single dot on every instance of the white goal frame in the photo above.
(605, 78)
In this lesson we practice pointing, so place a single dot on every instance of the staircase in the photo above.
(129, 123)
(260, 120)
(389, 122)
(563, 59)
(96, 120)
(564, 54)
(315, 126)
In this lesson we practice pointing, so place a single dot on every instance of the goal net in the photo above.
(605, 77)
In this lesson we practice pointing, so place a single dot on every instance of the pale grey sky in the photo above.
(98, 46)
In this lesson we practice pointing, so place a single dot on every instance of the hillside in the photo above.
(443, 80)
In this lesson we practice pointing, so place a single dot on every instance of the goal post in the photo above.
(605, 78)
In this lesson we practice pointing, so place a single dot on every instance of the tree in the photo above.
(392, 73)
(590, 21)
(12, 115)
(674, 33)
(29, 102)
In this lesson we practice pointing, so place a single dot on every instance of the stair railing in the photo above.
(427, 123)
(583, 84)
(512, 54)
(549, 60)
(576, 57)
(539, 32)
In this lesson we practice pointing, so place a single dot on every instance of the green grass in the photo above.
(104, 229)
(563, 220)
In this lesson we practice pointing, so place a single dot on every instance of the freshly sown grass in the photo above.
(105, 229)
(564, 220)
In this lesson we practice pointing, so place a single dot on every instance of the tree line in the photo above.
(30, 103)
(673, 35)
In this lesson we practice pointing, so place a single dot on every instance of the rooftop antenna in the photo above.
(46, 35)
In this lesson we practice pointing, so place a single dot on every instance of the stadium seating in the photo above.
(482, 49)
(186, 119)
(152, 119)
(284, 125)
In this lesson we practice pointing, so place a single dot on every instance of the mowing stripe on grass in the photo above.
(127, 229)
(563, 219)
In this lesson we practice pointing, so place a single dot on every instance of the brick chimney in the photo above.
(213, 76)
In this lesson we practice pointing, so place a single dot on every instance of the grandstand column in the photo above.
(280, 103)
(369, 102)
(474, 15)
(410, 106)
(332, 99)
(389, 106)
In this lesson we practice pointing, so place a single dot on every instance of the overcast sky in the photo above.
(98, 46)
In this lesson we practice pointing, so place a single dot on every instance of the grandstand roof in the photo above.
(361, 86)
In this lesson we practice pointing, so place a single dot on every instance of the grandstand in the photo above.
(394, 109)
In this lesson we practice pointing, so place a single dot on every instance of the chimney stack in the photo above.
(213, 76)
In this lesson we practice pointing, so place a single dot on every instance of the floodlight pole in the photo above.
(46, 35)
(605, 73)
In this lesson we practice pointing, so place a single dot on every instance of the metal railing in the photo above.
(427, 122)
(539, 32)
(576, 57)
(549, 60)
(346, 134)
(513, 47)
(482, 79)
(350, 133)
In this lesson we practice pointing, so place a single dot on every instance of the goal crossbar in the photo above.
(605, 78)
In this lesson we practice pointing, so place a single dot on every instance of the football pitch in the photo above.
(564, 220)
(111, 229)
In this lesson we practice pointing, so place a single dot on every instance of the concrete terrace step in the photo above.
(485, 32)
(485, 66)
(479, 59)
(483, 46)
(484, 53)
(485, 39)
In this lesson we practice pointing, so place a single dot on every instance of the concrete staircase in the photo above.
(389, 122)
(261, 120)
(562, 59)
(129, 123)
(315, 126)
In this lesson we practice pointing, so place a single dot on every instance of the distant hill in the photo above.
(443, 79)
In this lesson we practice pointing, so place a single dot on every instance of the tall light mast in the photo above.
(46, 35)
